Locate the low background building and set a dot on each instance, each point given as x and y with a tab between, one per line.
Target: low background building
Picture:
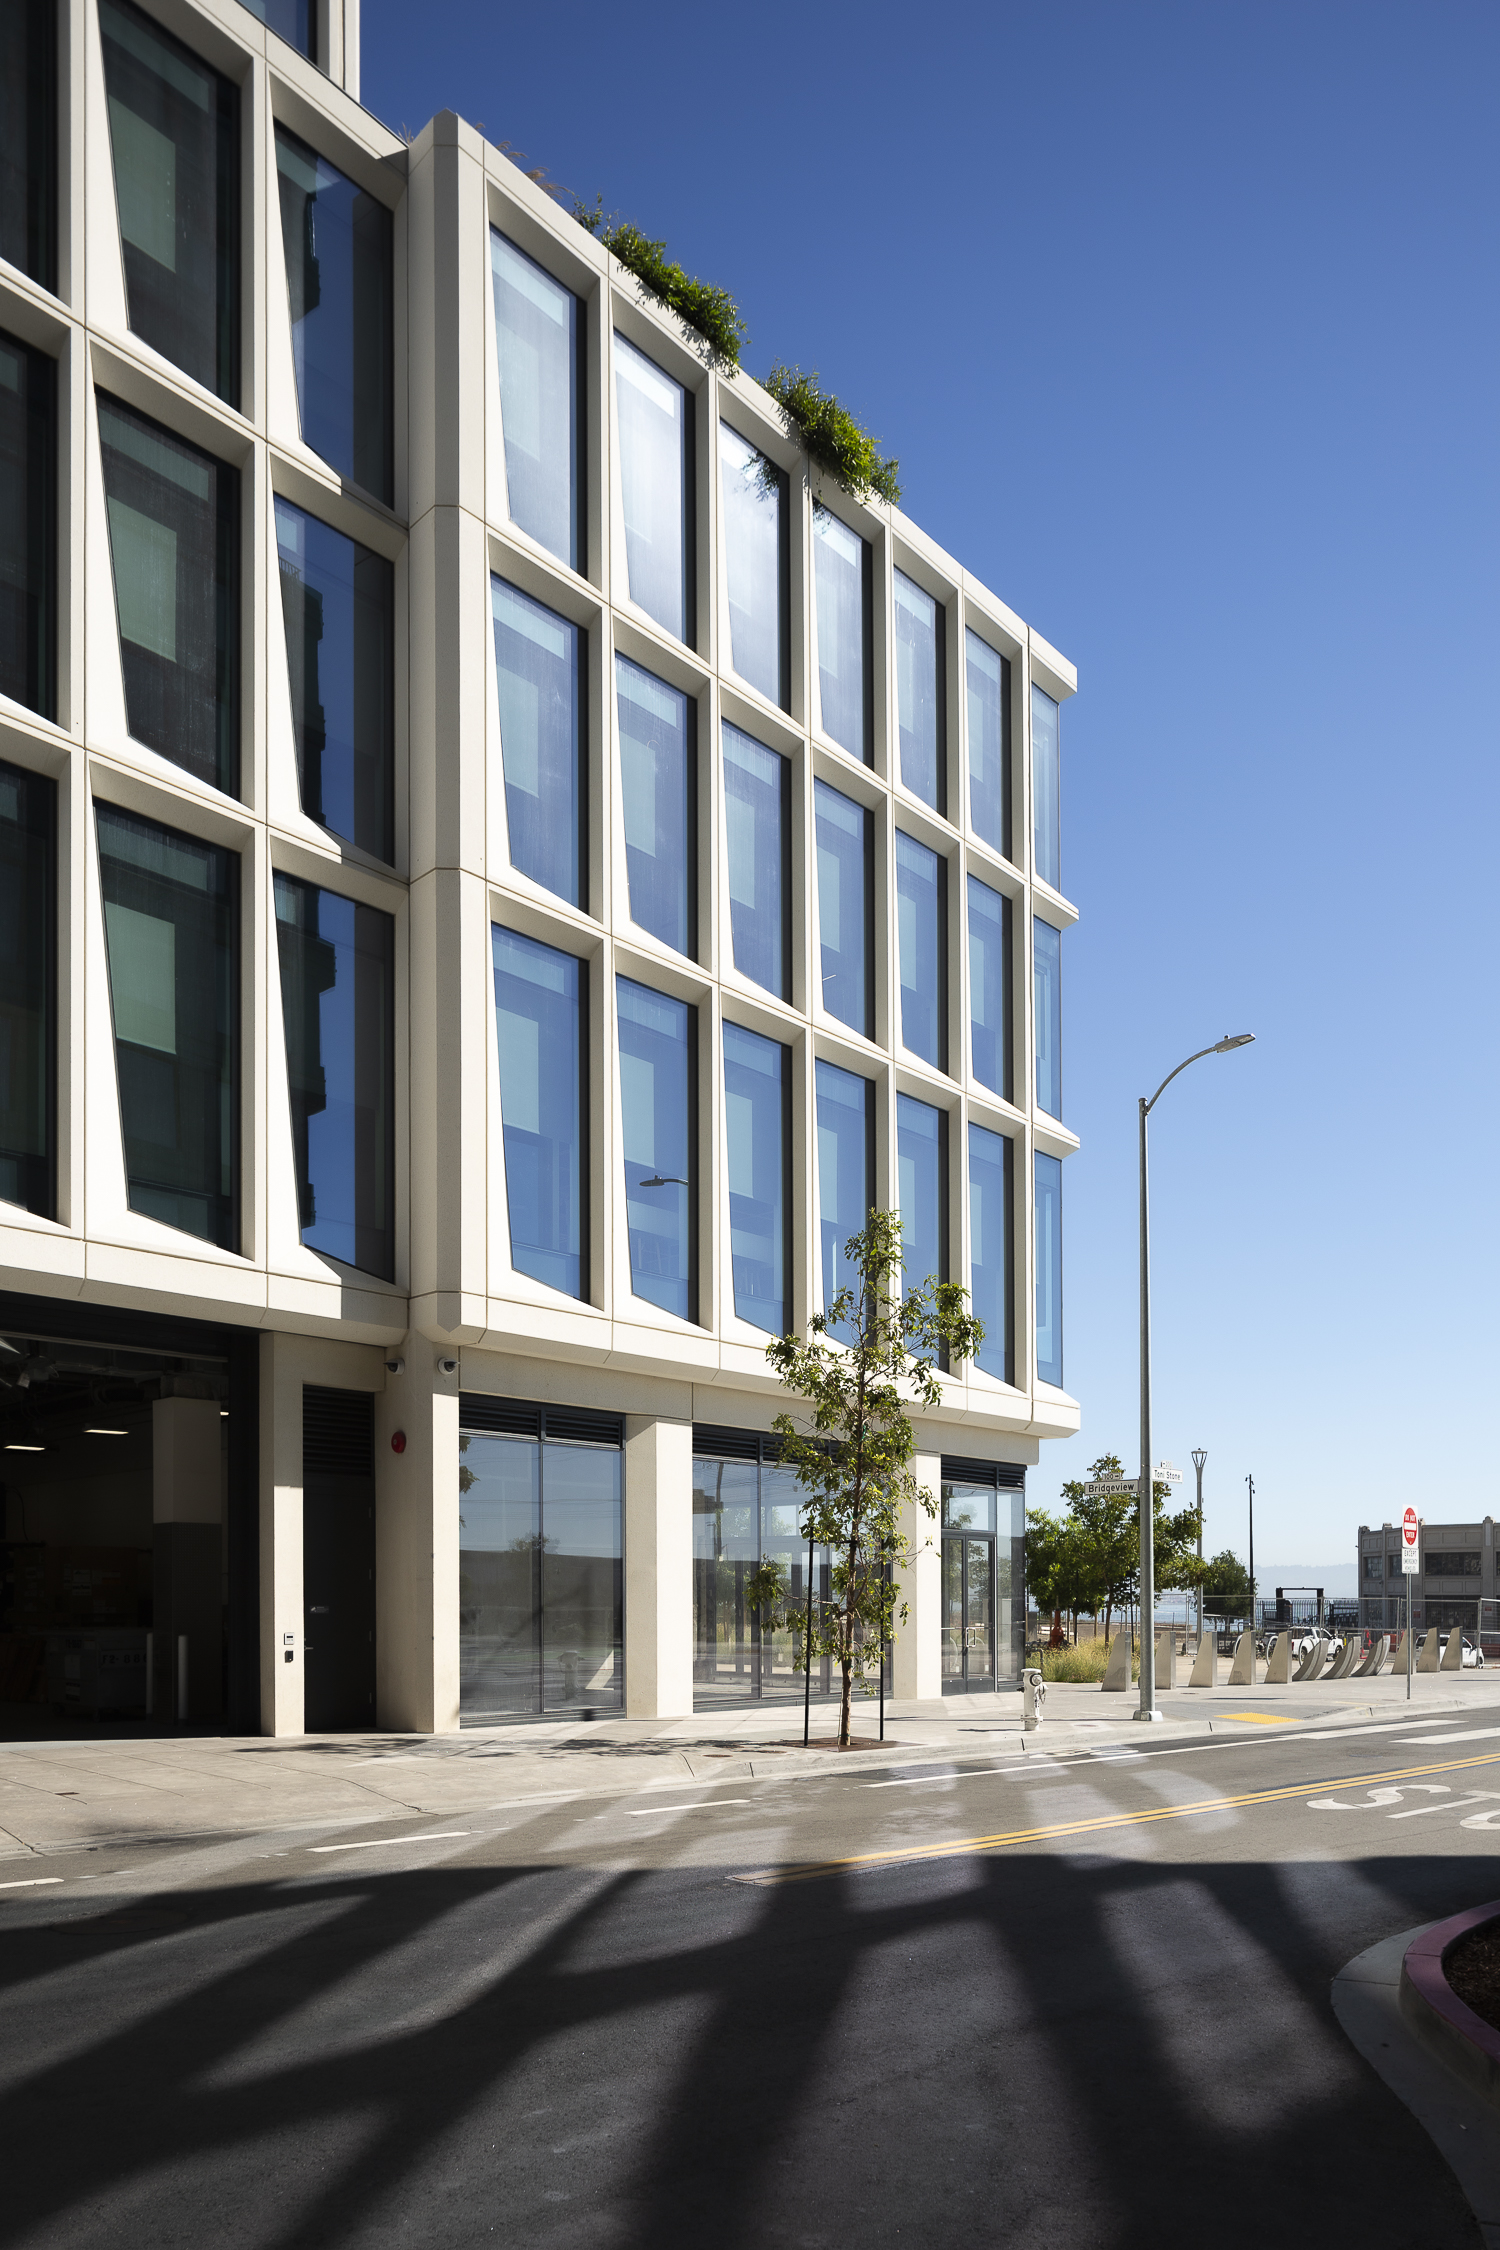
1455	1584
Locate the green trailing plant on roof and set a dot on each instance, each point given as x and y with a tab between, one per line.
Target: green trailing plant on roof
833	439
711	312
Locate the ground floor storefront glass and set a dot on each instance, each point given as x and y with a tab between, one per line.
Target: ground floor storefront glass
541	1613
983	1578
746	1512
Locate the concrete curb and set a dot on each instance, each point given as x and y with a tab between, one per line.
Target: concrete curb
1440	2019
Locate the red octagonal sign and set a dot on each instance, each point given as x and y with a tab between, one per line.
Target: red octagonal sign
1409	1527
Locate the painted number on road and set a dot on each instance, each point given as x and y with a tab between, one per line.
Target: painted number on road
1376	1800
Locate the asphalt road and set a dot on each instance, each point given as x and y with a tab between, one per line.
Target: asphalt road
1080	2000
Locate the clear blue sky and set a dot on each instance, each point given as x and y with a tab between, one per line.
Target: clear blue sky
1183	323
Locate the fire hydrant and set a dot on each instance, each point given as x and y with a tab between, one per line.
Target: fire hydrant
1033	1696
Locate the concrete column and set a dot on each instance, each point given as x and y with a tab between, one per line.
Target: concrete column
417	1506
658	1568
187	1571
917	1652
281	1378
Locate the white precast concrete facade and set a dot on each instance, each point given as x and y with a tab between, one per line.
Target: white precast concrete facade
457	1319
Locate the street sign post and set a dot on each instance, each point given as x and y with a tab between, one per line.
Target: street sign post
1409	1561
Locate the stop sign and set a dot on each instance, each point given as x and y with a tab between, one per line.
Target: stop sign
1409	1527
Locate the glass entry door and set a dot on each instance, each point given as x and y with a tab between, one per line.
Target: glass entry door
968	1613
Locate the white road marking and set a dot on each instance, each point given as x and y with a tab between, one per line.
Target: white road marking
1463	1734
967	1773
650	1812
29	1882
1347	1734
1472	1797
371	1843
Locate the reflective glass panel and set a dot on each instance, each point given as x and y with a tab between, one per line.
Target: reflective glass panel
992	1249
541	1030
174	135
338	607
658	795
919	693
28	469
171	938
28	138
295	21
922	1171
758	844
655	427
174	543
744	1513
1046	961
337	241
538	335
1049	1350
539	660
922	938
28	969
338	968
755	565
846	925
1046	790
843	585
757	1135
658	1116
988	678
582	1620
846	1175
991	989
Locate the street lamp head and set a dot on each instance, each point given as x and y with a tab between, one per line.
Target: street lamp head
1199	1456
1238	1039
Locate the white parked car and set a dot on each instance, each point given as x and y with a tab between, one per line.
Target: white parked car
1473	1657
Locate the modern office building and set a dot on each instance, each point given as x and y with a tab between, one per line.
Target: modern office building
499	870
1454	1583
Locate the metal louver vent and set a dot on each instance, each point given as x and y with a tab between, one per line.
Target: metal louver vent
508	1417
1006	1476
338	1433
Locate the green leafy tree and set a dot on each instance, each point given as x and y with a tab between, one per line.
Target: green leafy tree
854	1464
1227	1587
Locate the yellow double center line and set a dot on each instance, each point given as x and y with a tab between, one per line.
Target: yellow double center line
910	1854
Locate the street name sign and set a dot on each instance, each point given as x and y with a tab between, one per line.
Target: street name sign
1409	1544
1122	1488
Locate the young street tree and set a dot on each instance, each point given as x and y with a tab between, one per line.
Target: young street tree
854	1465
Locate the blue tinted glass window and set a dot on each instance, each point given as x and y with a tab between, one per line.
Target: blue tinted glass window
539	660
1046	790
658	793
991	989
1046	958
658	1116
541	1027
992	1249
28	971
989	743
846	929
922	934
28	487
337	241
757	1132
1049	1349
337	603
28	138
919	692
338	1012
758	841
843	581
846	1179
538	329
922	1166
655	424
171	936
295	21
755	565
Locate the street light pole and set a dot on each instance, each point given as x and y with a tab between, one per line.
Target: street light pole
1251	1482
1200	1455
1145	1494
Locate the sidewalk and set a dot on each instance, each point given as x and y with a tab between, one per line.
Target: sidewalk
81	1794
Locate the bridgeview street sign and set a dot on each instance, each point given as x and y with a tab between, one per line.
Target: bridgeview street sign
1128	1488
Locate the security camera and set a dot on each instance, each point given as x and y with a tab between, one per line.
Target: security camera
395	1367
448	1365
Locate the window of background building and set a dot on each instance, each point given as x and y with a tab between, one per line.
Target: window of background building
844	586
1046	790
846	915
338	606
28	515
656	489
171	928
758	1140
541	1031
992	1249
922	1172
758	845
539	336
28	978
989	744
920	700
922	939
338	968
659	800
540	666
174	544
337	241
28	138
295	21
659	1122
846	1178
1046	962
757	566
1049	1348
991	989
174	135
747	1510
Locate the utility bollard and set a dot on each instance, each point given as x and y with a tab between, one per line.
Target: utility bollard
1427	1652
1242	1670
1379	1651
1166	1658
1453	1652
1205	1663
1278	1663
1116	1680
1033	1696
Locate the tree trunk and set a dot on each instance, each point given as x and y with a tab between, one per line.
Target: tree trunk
845	1698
